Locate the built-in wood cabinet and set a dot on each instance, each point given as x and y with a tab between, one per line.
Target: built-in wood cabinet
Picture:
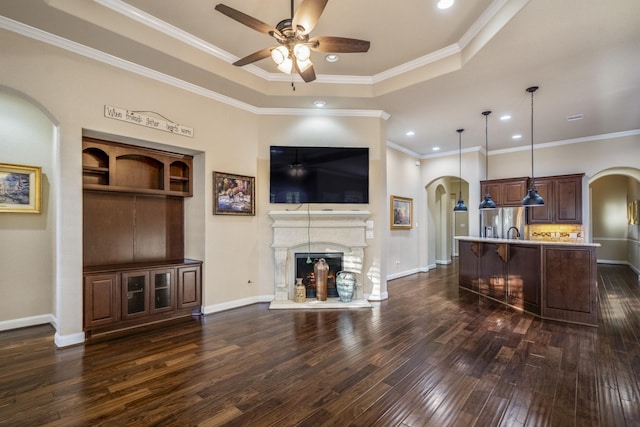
122	296
563	200
133	237
505	192
110	166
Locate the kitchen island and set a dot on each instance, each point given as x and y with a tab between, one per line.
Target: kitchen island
550	279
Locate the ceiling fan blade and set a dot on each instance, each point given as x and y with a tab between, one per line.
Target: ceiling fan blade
308	14
245	19
338	44
308	75
255	56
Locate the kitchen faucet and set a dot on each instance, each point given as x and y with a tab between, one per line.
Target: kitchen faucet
513	228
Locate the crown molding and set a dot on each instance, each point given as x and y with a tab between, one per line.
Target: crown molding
601	137
87	52
153	22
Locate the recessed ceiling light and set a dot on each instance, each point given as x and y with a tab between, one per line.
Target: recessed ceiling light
319	103
516	136
505	117
332	57
410	133
445	4
436	148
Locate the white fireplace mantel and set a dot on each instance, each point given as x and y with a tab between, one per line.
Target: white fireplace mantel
316	231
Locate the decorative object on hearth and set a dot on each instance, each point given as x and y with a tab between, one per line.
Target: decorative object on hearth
299	291
460	206
532	198
487	202
321	273
293	55
346	284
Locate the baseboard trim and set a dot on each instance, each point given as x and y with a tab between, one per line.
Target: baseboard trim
209	309
403	274
68	340
25	322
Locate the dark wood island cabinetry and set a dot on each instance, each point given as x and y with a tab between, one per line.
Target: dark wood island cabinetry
552	280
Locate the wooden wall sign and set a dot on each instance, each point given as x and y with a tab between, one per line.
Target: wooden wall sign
138	118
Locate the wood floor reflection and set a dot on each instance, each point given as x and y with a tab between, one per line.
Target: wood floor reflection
428	356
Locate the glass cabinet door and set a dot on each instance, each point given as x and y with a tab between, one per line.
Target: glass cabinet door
162	283
135	294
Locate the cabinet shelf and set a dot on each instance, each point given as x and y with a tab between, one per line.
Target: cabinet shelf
110	166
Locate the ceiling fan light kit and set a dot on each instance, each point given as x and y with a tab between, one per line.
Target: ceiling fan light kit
292	34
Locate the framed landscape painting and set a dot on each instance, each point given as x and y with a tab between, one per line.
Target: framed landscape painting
233	194
401	212
20	188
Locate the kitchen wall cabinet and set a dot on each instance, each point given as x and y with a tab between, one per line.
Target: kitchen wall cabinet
123	296
505	192
563	200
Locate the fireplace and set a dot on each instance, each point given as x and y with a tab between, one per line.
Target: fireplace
304	270
318	234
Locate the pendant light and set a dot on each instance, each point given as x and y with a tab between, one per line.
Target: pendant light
486	203
460	206
532	198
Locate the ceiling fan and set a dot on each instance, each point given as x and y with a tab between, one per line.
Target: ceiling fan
292	34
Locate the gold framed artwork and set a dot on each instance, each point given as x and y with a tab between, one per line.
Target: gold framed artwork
233	194
20	188
401	215
633	212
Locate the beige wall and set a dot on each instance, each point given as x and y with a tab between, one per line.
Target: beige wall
597	158
609	217
27	137
322	130
73	90
403	248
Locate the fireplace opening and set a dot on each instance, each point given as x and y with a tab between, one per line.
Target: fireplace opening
304	270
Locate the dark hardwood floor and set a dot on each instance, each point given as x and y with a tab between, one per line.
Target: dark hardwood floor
431	355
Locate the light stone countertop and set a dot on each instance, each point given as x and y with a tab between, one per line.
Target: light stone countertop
527	242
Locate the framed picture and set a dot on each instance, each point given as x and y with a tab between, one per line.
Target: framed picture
401	212
233	194
20	188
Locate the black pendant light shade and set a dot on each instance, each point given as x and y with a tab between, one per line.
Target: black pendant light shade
487	202
532	198
460	206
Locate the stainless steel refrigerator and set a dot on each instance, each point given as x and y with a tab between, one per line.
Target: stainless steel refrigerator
503	223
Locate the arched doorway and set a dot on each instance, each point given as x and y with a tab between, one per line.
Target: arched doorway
442	223
611	193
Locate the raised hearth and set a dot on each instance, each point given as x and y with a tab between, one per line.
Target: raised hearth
317	232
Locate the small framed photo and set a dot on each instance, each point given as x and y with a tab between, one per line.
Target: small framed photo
20	188
233	194
401	212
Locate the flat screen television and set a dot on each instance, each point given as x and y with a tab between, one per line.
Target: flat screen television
319	174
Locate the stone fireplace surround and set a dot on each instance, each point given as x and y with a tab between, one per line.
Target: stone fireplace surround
317	231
